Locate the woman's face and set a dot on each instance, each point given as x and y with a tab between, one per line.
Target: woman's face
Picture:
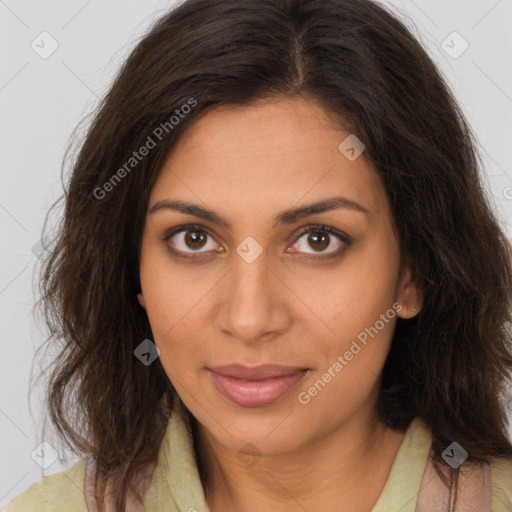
228	298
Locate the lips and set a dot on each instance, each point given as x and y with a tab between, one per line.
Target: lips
256	386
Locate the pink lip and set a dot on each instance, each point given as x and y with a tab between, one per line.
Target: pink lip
258	386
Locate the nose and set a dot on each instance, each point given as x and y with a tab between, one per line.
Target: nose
254	303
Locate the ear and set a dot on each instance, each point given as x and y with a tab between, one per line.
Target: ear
142	302
409	295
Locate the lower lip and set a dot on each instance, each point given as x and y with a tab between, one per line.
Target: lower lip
256	393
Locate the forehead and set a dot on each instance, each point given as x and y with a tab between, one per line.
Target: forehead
274	152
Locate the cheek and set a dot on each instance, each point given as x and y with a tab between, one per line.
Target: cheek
163	305
175	317
367	284
176	337
173	324
361	313
348	370
168	297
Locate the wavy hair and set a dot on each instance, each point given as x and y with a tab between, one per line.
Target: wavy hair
448	365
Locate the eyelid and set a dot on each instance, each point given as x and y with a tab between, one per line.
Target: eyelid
343	237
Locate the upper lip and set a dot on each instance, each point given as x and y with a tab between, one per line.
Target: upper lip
261	372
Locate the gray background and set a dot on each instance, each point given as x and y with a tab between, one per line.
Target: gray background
43	99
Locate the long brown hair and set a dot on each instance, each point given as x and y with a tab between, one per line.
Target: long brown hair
448	365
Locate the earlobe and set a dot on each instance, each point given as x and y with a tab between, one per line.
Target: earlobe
142	302
406	311
410	297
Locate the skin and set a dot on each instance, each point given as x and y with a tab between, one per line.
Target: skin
247	164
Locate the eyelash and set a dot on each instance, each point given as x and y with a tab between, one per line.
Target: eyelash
345	239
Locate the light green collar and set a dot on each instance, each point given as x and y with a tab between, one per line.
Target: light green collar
401	488
177	467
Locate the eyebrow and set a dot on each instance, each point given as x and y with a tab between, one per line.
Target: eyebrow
284	217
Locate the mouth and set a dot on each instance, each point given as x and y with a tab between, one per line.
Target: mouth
256	386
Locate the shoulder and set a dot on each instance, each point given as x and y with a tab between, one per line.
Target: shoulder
501	474
58	492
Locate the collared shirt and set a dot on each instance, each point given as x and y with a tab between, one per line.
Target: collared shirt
175	485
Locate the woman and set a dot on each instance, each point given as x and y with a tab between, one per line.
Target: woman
278	279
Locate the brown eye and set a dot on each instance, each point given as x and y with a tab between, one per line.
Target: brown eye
195	239
318	239
187	240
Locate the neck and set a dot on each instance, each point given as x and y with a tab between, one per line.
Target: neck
349	466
